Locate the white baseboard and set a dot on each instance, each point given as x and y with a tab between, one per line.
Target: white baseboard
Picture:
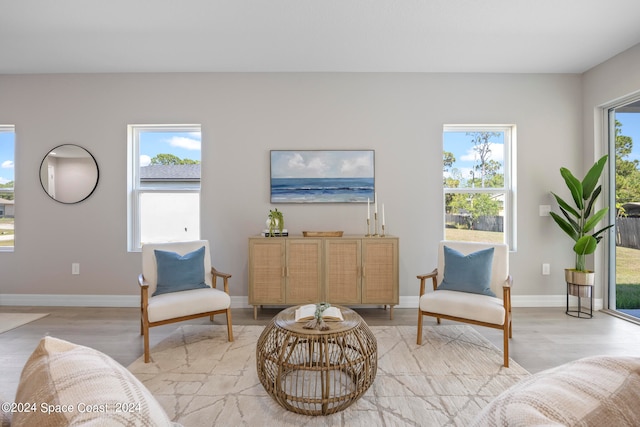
551	301
54	300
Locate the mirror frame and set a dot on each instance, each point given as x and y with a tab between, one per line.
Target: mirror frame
95	185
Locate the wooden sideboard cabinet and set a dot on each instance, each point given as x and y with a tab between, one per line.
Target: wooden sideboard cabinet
339	270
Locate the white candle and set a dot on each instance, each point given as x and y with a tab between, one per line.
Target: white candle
375	203
368	210
383	214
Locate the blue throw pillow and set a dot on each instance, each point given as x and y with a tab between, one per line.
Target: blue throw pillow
471	273
179	273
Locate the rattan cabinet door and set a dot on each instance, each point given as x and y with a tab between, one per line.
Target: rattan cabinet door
303	271
380	271
342	266
266	271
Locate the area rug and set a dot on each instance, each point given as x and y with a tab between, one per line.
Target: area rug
10	321
203	380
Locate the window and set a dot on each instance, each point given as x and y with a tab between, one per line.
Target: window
164	184
479	183
7	179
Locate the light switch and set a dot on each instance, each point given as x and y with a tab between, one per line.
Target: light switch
544	210
546	269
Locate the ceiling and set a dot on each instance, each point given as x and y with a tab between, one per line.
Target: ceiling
511	36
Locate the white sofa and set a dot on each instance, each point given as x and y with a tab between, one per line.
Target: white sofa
67	384
595	391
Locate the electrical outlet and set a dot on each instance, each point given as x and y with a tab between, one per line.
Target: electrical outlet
75	268
546	269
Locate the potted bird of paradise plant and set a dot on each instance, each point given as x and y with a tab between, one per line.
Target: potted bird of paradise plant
579	220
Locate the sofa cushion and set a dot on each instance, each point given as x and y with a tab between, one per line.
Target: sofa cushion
76	385
594	391
468	273
180	272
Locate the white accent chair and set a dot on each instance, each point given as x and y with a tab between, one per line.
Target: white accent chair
184	305
476	309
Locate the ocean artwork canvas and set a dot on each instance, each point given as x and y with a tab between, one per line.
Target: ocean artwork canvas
322	176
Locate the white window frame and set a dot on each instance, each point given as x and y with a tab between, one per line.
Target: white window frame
136	190
11	128
509	165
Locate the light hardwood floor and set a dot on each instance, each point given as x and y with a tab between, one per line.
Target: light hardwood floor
542	337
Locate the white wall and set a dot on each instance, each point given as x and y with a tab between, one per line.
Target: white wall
243	116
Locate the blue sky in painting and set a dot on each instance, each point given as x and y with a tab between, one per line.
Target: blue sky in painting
322	164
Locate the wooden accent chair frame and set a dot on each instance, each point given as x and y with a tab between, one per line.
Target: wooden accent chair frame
184	305
476	309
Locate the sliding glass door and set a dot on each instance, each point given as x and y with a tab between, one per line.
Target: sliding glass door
624	148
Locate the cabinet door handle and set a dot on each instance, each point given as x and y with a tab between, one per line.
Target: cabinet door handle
284	272
363	272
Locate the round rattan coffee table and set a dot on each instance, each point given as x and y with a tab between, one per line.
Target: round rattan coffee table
314	372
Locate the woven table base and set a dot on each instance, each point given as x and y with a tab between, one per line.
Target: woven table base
315	372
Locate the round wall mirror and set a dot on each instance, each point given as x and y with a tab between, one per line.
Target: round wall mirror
69	173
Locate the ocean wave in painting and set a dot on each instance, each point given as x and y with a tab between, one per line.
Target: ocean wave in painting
321	190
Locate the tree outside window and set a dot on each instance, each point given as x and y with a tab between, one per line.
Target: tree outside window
477	194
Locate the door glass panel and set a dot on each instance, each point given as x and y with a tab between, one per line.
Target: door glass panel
625	294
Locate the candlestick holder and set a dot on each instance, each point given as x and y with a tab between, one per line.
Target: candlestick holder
375	230
368	228
382	235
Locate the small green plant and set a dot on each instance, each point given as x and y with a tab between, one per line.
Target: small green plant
580	220
276	220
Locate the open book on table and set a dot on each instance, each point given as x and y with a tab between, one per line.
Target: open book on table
307	312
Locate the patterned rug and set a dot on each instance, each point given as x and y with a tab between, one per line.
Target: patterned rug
201	379
10	321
